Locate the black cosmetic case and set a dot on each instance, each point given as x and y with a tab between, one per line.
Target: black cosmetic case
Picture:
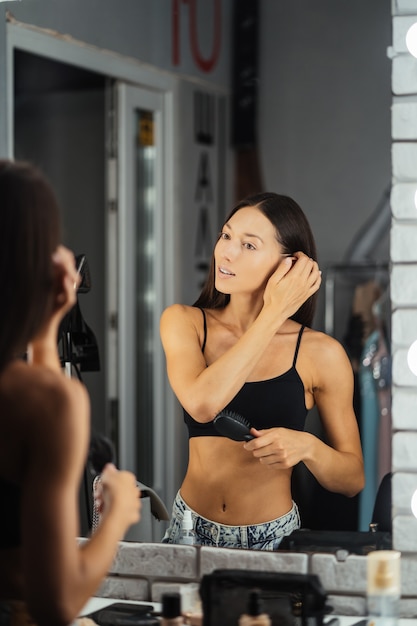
289	599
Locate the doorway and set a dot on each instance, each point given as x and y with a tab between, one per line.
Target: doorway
59	125
100	142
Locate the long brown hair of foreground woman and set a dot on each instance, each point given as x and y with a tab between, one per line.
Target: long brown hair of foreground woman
247	346
44	422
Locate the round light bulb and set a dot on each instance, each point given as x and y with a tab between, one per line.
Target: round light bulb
412	357
414	503
411	39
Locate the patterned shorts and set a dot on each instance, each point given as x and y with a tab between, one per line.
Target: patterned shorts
265	536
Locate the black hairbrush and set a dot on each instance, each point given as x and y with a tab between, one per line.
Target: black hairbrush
102	452
233	425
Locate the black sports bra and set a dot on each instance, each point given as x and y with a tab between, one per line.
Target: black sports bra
10	515
278	401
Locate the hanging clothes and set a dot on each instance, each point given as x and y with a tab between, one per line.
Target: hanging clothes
369	411
358	314
381	369
375	409
367	346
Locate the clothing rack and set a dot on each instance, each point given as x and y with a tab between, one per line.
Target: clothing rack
341	284
350	275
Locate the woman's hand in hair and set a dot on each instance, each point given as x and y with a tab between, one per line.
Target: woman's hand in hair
66	280
292	283
43	348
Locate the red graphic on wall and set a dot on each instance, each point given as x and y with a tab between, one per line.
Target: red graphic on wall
204	64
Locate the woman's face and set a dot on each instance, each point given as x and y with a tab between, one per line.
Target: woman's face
247	252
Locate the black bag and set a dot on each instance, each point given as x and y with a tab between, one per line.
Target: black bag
124	614
289	599
333	541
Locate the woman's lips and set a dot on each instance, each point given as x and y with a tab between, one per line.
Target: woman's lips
224	272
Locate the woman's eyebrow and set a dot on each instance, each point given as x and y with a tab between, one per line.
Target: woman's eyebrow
253	235
227	225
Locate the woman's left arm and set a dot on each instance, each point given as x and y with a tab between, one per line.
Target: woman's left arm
337	462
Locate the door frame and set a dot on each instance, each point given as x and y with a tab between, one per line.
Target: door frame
129	99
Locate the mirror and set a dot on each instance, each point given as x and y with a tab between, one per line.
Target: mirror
323	130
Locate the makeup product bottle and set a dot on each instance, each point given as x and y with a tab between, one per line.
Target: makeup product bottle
188	536
255	615
191	605
383	587
171	610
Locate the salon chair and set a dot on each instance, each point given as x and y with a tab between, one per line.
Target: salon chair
382	512
345	541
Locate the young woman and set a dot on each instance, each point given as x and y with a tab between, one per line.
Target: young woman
247	346
45	577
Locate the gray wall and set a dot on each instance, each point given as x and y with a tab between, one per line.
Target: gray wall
324	91
325	99
69	128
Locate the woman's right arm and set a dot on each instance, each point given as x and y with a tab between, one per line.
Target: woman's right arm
204	391
59	575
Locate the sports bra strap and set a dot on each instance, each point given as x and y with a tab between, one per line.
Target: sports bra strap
205	329
297	346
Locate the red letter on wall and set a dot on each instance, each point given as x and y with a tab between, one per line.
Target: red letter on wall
206	65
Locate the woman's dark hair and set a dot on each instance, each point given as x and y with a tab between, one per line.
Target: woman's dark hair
293	233
29	234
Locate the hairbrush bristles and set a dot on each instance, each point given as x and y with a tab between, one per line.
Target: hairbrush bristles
235	416
233	425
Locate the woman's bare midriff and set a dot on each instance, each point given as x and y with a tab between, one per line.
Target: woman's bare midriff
237	490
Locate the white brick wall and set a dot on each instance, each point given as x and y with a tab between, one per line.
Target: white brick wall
404	410
404	120
404	486
402	198
404	6
404	287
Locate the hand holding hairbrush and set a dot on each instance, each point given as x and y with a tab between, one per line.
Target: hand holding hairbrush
233	425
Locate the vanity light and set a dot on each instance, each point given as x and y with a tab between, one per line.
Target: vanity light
412	358
414	503
411	39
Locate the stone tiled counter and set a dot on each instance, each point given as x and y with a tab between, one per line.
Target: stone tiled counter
144	571
223	558
344	581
